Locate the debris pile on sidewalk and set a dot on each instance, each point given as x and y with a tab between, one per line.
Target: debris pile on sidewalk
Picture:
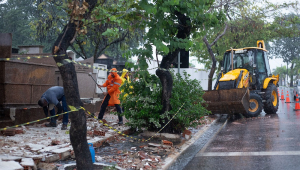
36	146
134	155
49	144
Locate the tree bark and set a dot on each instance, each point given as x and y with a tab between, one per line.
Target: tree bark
78	119
166	79
165	76
213	58
292	75
70	84
214	61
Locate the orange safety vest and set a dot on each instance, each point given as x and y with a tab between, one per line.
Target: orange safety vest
113	85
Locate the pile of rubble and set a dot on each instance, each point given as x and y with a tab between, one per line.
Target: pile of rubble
135	155
38	143
36	146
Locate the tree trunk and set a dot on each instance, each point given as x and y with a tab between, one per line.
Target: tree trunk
165	76
213	58
167	85
166	79
78	119
292	75
287	74
214	61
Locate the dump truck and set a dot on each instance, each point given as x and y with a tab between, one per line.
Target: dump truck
245	84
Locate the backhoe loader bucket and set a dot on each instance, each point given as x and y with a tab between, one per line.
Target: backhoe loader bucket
227	101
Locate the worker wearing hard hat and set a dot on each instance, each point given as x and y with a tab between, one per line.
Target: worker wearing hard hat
112	83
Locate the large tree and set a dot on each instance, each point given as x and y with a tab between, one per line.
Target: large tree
81	14
171	25
286	46
288	50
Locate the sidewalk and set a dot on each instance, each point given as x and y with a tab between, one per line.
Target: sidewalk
36	146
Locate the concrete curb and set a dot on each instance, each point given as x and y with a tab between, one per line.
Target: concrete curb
171	159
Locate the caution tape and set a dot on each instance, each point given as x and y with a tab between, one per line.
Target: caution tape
73	109
110	127
29	57
119	132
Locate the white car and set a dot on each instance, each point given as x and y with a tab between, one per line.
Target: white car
296	89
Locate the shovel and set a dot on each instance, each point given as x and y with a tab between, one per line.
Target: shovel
90	74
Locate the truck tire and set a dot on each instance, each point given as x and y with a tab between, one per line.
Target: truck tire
271	97
255	106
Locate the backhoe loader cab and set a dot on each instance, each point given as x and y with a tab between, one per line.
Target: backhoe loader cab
245	84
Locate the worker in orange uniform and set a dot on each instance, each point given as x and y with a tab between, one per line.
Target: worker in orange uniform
112	83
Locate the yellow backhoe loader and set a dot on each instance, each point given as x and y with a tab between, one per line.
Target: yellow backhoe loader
245	84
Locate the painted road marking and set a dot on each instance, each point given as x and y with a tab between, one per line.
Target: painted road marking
270	153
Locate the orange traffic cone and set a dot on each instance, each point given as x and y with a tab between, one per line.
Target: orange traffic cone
282	95
297	104
287	97
278	93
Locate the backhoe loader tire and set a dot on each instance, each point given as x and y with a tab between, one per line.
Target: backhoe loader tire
255	106
271	97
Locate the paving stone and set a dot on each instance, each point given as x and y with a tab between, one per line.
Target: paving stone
13	165
46	166
52	158
28	164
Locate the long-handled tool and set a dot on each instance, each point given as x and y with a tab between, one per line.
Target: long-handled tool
90	74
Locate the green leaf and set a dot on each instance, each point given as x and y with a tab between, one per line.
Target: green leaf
112	18
161	47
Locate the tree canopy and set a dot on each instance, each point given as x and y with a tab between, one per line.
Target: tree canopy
286	45
15	17
110	28
248	21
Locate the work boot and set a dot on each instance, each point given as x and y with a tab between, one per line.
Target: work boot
120	120
51	124
64	127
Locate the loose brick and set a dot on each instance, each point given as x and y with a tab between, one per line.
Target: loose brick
99	133
165	142
9	132
19	131
187	134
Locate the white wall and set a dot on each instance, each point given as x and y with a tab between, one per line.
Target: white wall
31	49
202	76
199	75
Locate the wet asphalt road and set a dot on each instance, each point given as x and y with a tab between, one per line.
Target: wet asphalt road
267	142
